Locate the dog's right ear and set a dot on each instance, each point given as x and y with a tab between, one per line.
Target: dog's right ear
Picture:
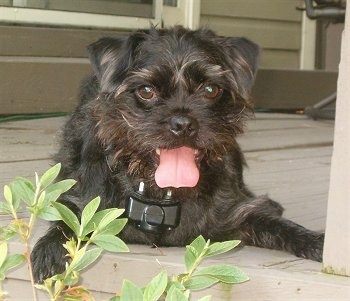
111	58
100	49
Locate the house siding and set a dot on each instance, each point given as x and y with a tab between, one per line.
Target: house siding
273	24
41	67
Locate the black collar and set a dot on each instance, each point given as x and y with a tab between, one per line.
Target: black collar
152	216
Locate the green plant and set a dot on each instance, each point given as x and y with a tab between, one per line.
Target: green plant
179	287
7	262
99	228
95	232
37	201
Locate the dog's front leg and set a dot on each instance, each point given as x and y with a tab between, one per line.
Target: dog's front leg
261	225
49	256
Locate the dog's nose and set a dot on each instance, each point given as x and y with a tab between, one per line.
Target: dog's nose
183	126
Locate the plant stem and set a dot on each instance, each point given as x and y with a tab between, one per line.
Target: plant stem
26	237
195	264
30	268
14	213
31	224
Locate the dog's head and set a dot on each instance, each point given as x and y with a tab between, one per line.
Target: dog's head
171	99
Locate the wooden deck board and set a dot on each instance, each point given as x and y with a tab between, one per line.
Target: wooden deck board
273	275
288	158
297	178
29	140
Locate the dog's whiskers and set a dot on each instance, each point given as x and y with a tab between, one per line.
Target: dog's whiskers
240	114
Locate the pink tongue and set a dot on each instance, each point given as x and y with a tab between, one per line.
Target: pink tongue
177	168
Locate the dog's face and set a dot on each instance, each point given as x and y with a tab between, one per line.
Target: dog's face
171	99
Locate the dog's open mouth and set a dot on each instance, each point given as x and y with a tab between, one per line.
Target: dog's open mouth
177	167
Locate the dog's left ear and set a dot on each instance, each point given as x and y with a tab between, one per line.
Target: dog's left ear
242	56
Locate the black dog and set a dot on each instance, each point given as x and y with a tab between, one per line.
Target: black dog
160	114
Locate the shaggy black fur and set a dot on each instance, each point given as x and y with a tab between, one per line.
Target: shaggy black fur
109	144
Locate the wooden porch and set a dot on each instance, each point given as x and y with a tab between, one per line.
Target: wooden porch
289	158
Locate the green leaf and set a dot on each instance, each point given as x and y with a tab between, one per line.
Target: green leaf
4	208
27	182
115	298
109	216
50	198
42	287
175	294
224	273
110	243
3	252
41	199
8	194
198	244
7	232
200	282
176	282
49	176
61	186
68	217
190	257
221	247
55	190
130	292
49	214
8	262
194	252
114	227
89	211
12	261
156	287
23	189
102	219
70	279
13	202
83	258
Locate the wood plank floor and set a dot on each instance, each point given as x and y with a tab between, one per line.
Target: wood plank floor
288	157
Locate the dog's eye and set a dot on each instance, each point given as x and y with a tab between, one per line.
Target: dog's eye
212	91
147	92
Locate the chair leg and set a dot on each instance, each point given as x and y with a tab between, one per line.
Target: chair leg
317	110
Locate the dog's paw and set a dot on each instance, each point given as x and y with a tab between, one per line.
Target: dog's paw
316	252
312	248
48	257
